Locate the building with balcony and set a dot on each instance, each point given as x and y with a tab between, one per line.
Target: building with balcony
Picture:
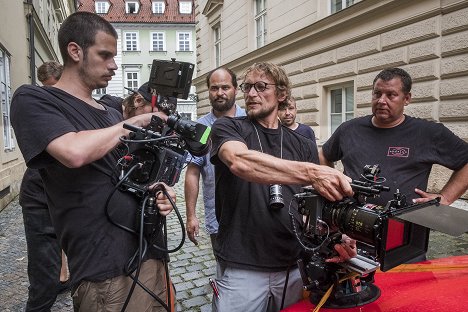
332	50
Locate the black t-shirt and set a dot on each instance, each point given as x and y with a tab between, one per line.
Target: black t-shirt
112	101
32	193
96	249
306	131
405	153
250	234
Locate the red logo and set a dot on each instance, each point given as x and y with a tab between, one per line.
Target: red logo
398	151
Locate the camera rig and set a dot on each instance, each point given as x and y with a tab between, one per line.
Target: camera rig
350	283
157	153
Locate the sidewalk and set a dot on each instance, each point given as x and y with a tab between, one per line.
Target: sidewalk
190	266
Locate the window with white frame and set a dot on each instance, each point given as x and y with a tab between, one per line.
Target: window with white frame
5	100
101	91
101	7
338	5
159	7
185	7
217	44
341	105
158	42
132	79
131	41
184	41
260	22
132	7
186	116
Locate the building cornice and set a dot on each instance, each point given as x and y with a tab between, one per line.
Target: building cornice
212	6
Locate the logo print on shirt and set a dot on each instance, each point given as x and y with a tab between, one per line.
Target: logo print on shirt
398	151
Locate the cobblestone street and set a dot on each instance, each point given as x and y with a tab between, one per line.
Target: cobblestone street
190	267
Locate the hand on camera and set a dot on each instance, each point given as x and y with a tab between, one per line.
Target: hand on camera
163	203
332	184
346	250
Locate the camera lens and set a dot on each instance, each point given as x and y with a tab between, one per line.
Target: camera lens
276	197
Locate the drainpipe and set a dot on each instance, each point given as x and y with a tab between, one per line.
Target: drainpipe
32	50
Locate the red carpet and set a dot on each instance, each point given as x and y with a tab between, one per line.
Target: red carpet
430	286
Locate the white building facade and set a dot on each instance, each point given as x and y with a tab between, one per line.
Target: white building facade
333	49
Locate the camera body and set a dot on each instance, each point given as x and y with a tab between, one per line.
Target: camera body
153	162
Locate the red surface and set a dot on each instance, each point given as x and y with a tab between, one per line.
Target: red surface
394	234
430	286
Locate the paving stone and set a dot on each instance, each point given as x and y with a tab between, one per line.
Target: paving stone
190	266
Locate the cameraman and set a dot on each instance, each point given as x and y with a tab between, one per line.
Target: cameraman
255	245
71	139
420	144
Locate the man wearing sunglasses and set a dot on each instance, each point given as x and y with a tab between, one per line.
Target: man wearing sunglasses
256	246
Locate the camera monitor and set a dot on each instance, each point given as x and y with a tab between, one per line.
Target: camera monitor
171	78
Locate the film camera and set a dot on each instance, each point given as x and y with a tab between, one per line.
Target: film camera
325	222
158	152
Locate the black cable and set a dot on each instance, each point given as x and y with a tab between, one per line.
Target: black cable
140	254
106	207
181	222
285	287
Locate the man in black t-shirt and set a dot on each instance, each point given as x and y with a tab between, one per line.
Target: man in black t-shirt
255	243
405	147
71	139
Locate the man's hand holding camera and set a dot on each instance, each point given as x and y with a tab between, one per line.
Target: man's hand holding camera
162	201
346	250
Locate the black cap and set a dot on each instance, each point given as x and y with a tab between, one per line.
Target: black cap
165	104
143	90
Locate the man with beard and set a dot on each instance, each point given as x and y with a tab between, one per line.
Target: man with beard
222	90
287	114
71	139
256	247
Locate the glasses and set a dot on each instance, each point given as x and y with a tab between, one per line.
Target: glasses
259	86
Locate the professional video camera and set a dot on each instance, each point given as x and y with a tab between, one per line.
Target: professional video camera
350	283
158	152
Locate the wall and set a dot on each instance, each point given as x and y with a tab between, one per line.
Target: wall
428	38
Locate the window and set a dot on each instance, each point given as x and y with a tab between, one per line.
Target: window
101	91
131	41
131	7
158	43
158	7
132	80
186	116
185	7
260	22
184	41
217	44
338	5
101	7
341	105
5	100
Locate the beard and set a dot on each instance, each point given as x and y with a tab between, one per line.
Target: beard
261	113
223	107
85	75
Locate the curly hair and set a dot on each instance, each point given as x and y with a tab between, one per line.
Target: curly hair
274	72
49	69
